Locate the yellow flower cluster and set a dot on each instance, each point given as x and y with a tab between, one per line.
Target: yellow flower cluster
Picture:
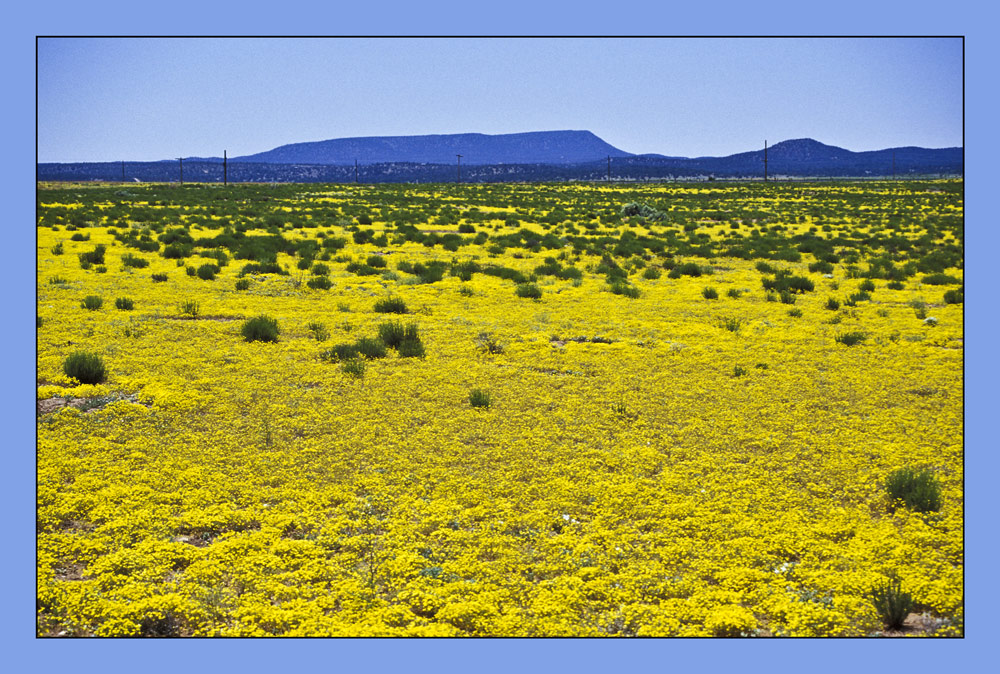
642	469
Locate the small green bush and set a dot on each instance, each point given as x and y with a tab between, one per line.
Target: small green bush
86	368
624	289
795	312
318	269
371	348
850	338
261	328
242	284
786	297
919	490
391	305
740	371
159	278
832	304
95	256
891	603
57	249
191	270
134	261
411	349
480	398
207	272
528	290
731	324
354	368
867	286
651	273
318	331
954	296
710	293
319	283
487	343
895	285
124	303
735	293
394	333
92	302
189	308
940	280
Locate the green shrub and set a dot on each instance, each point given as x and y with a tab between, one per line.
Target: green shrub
651	273
124	303
867	286
528	290
895	285
354	368
318	331
850	338
207	272
940	280
95	256
919	490
731	324
242	284
710	293
411	349
318	269
376	261
740	371
134	261
92	302
189	308
371	348
891	603
159	278
954	296
340	352
735	293
480	398
394	333
57	249
191	270
101	269
261	328
786	297
832	303
319	283
86	368
391	305
487	343
624	289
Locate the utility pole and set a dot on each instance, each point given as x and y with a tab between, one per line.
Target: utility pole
181	160
225	168
459	167
609	168
355	171
765	161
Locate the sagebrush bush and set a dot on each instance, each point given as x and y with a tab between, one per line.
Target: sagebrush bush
651	273
735	293
850	338
729	323
189	308
319	283
624	289
242	284
832	303
480	398
371	348
710	293
92	302
355	367
918	489
207	272
261	328
85	367
134	261
528	290
955	296
891	603
318	331
391	305
124	303
159	278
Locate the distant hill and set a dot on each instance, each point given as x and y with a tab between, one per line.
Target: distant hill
538	156
538	147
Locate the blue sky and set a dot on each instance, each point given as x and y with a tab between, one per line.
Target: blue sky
147	99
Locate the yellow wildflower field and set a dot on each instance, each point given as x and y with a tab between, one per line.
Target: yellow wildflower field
623	410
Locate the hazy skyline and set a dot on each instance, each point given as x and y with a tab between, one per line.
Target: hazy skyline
107	99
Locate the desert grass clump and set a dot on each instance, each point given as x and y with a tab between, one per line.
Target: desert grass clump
480	398
85	367
850	338
92	302
391	305
891	603
528	290
832	303
710	293
159	278
260	328
917	489
242	284
124	304
354	367
731	324
318	331
189	308
405	339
